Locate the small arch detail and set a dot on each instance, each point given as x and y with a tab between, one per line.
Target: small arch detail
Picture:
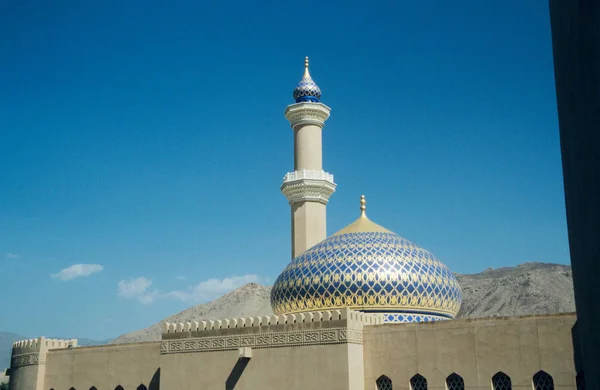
543	381
384	383
455	382
501	381
418	382
142	387
119	387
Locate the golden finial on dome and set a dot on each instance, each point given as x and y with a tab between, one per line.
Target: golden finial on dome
363	206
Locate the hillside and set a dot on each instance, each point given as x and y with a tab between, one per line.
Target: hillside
530	288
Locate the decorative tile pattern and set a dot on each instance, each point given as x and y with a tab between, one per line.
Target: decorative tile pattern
418	382
501	381
384	383
411	317
543	381
307	90
455	382
266	340
368	271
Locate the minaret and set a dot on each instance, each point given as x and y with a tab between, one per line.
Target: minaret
308	188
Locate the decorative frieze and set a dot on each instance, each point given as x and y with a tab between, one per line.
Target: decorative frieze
263	340
28	359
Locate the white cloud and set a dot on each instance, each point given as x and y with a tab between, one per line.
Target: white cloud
137	289
213	288
77	270
12	256
209	289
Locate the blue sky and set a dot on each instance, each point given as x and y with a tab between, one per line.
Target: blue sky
142	145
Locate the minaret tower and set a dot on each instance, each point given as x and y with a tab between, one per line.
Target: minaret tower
308	188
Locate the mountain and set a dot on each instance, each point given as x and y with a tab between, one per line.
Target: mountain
249	300
530	288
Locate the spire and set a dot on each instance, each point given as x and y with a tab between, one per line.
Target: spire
307	90
363	206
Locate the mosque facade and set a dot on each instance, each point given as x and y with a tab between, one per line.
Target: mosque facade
361	309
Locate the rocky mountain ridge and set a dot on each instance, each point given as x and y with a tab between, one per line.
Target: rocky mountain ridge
529	288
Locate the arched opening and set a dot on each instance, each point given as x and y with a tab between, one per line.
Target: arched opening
580	381
142	387
384	383
543	381
501	381
93	388
119	387
455	382
418	382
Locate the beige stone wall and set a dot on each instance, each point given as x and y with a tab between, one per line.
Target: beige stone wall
104	367
289	368
474	349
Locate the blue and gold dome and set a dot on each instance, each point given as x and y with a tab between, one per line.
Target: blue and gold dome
368	268
307	90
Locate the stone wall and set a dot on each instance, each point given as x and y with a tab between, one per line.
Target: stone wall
132	366
474	349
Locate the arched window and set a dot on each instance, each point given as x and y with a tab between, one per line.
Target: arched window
418	382
580	381
72	388
142	387
455	382
384	383
119	387
501	381
93	388
543	381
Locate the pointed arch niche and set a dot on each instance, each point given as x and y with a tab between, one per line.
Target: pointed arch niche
455	382
543	381
418	382
384	383
501	381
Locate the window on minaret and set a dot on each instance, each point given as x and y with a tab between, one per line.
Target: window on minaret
418	382
501	381
455	382
543	381
384	383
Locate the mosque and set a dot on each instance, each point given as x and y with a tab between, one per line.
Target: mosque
362	309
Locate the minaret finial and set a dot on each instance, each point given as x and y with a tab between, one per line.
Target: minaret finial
363	206
307	90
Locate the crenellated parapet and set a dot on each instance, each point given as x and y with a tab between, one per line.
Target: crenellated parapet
33	351
311	328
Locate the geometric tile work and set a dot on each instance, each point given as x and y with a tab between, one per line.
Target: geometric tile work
384	383
455	382
411	317
368	271
418	382
543	381
501	381
307	90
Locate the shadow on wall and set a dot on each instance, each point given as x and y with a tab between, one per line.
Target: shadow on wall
155	381
236	373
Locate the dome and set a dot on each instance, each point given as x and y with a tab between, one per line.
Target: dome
307	90
368	268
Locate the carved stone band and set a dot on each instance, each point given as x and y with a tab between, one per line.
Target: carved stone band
263	340
27	359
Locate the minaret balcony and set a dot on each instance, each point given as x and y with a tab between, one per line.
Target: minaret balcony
308	185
